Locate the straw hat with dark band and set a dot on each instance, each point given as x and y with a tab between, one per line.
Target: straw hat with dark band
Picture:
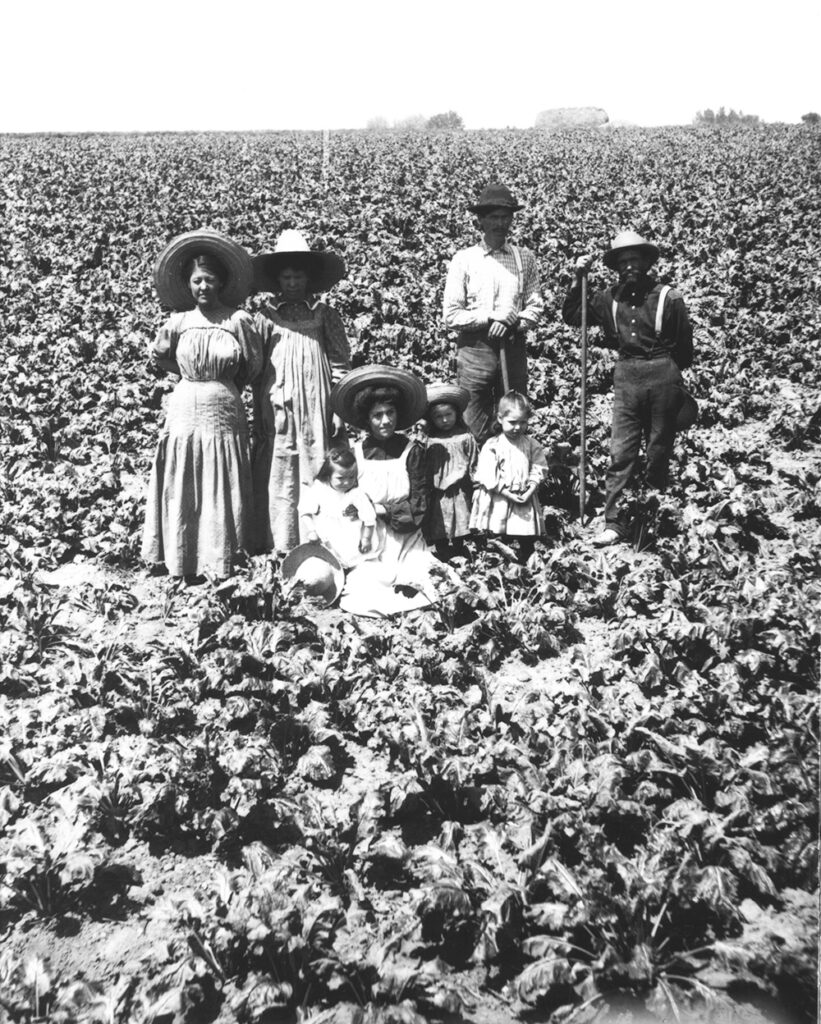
314	556
324	269
173	261
453	394
629	240
411	390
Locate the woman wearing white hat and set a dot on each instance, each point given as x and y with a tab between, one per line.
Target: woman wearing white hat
198	514
305	352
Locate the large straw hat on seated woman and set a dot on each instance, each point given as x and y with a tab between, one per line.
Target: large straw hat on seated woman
392	472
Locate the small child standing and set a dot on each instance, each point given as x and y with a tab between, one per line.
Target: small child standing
336	511
451	456
511	467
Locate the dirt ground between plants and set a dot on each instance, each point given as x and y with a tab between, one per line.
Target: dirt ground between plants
112	950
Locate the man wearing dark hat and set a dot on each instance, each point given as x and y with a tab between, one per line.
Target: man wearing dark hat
647	324
492	299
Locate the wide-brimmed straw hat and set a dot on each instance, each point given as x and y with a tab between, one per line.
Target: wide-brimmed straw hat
411	389
324	269
495	196
171	265
688	411
629	240
317	568
453	394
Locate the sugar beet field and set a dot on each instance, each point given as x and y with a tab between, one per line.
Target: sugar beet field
582	790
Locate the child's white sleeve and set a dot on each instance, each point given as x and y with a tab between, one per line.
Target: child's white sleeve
308	501
364	506
487	467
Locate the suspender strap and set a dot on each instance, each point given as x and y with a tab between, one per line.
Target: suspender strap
660	310
520	273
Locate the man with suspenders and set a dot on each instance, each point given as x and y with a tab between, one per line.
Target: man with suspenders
648	324
492	300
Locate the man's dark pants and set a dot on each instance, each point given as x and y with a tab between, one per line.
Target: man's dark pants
478	368
647	396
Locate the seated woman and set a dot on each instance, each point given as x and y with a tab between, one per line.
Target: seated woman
392	472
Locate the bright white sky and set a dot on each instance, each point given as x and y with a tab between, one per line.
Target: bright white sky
103	65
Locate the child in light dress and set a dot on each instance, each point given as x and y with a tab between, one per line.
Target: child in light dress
511	466
336	511
451	454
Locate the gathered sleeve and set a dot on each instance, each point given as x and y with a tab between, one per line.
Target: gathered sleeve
309	500
406	515
487	467
364	508
250	344
265	332
336	343
163	350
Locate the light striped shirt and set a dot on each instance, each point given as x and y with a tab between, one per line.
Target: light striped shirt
483	284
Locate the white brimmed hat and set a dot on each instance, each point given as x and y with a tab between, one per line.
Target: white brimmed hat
324	269
173	261
629	240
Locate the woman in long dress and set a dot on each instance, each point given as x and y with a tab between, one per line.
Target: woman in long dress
198	513
305	352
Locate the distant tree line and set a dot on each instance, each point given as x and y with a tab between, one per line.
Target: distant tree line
572	117
564	116
446	122
723	117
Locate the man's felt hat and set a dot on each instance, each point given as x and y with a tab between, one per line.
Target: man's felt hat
172	264
493	197
410	388
629	240
324	269
453	394
317	568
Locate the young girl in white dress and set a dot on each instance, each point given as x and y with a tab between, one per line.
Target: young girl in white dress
511	466
336	511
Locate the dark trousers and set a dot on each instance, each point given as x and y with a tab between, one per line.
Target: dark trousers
647	396
478	369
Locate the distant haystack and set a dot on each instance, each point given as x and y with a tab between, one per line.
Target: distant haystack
572	117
